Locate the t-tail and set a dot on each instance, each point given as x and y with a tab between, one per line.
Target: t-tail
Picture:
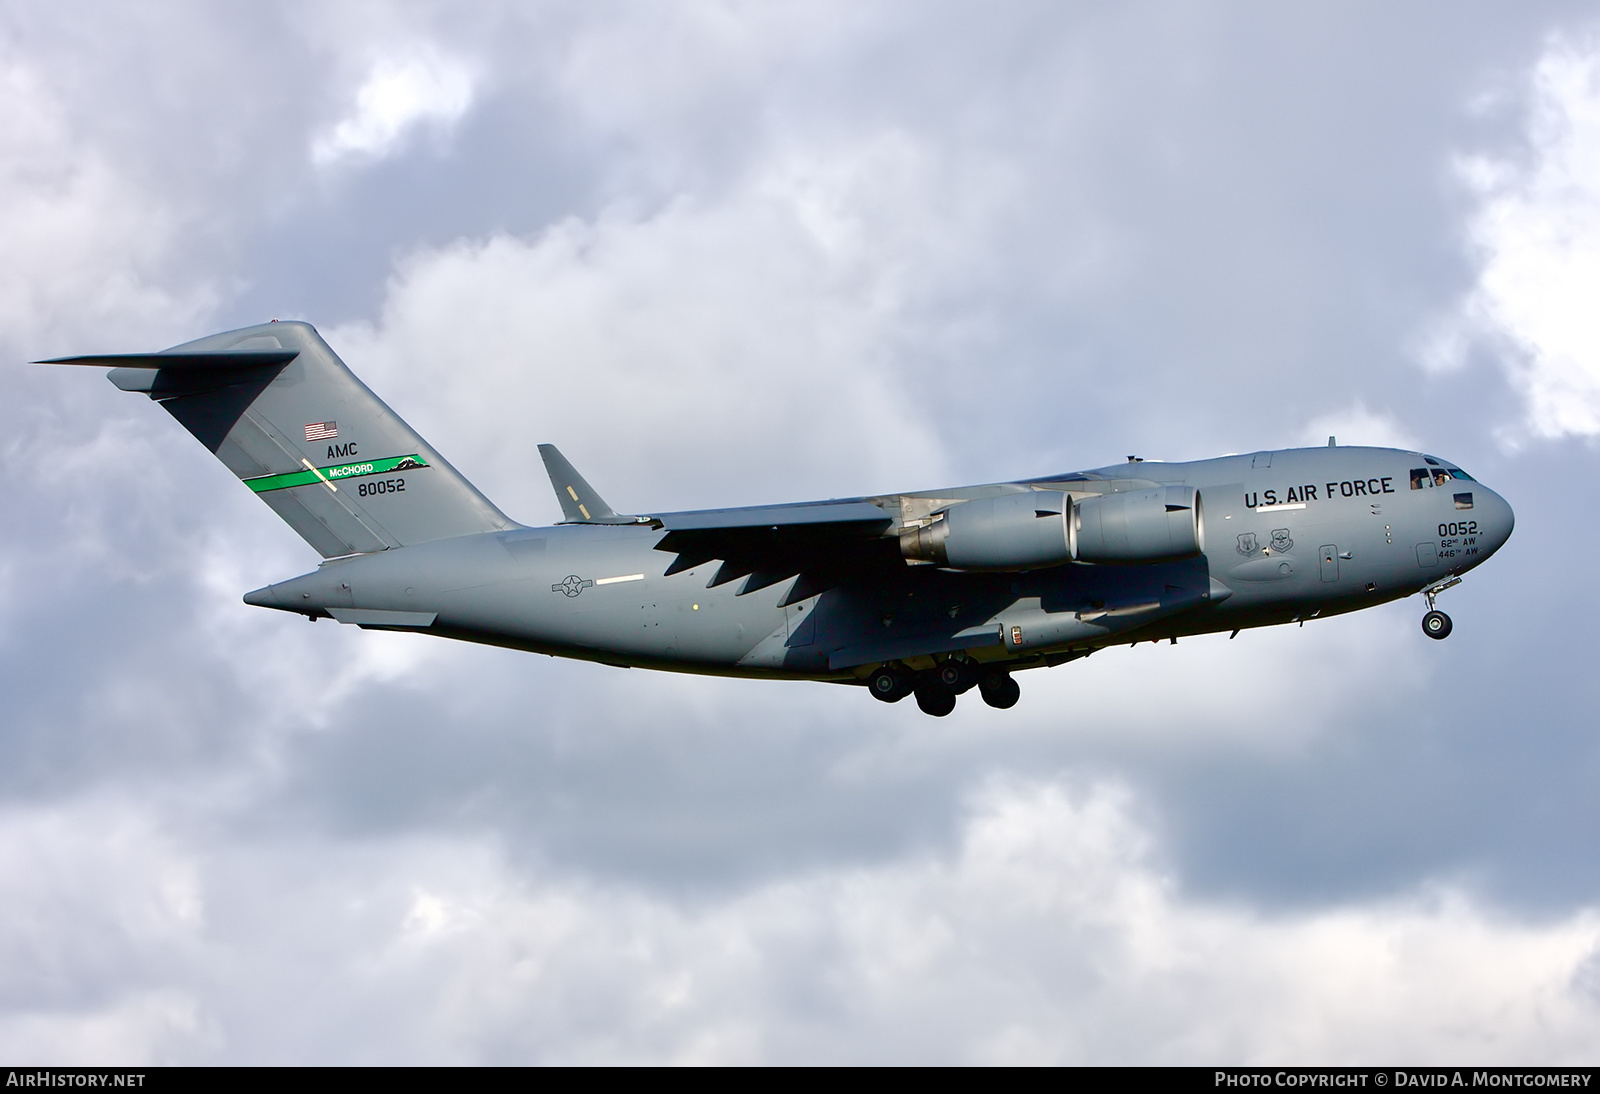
280	409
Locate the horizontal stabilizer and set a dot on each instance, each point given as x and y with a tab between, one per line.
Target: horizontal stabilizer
191	359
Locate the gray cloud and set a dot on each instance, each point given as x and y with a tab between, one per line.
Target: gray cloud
730	255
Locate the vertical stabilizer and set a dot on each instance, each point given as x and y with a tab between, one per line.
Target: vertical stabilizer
278	407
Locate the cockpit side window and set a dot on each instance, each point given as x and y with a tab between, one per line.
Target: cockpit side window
1460	474
1441	477
1420	478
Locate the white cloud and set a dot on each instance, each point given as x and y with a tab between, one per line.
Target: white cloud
713	351
1536	235
1051	933
1359	425
84	243
399	95
826	245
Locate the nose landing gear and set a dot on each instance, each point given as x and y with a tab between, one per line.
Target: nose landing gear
1436	624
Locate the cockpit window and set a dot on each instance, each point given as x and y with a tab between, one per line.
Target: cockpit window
1437	476
1463	501
1430	461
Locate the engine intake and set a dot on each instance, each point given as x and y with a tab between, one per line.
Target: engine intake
1155	525
1022	531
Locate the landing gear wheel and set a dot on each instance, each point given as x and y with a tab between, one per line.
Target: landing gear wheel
1000	691
934	698
956	676
889	685
1436	625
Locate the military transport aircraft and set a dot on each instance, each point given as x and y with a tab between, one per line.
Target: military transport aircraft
930	593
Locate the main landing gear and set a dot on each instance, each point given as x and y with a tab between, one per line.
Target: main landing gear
936	689
1436	624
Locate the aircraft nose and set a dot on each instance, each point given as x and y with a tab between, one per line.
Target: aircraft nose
1497	519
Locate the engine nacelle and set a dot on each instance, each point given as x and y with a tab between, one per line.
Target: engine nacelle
1140	526
1022	531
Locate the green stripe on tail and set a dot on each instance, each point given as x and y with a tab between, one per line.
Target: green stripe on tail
335	473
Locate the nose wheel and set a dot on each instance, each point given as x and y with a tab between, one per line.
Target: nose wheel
1436	624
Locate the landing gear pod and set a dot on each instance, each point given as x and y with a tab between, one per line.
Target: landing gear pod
1156	525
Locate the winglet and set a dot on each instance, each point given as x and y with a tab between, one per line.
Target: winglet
579	502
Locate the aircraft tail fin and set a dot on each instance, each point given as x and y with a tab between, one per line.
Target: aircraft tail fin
580	504
278	407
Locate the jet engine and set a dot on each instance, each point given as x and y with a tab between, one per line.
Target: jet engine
1140	526
1023	531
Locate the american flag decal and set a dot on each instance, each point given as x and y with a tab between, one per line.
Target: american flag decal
322	431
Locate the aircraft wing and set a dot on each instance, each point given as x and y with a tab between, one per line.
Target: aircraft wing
822	542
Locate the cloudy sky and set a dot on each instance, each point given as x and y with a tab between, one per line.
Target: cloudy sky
729	253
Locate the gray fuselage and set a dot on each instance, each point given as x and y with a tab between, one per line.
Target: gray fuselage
1287	535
